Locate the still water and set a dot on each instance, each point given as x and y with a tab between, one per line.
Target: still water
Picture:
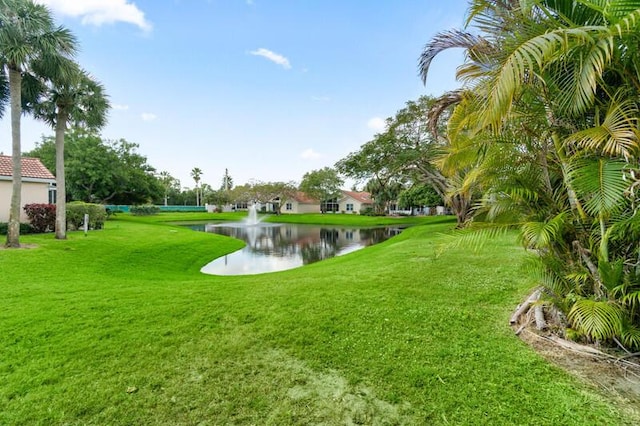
276	247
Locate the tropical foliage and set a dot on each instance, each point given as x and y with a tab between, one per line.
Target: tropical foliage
31	47
406	153
69	97
546	127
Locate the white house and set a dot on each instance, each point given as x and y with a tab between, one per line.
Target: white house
38	185
301	203
354	201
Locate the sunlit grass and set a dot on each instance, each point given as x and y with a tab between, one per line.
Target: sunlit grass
119	327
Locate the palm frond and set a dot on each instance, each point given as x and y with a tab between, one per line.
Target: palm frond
541	234
579	72
447	40
475	237
601	184
630	336
616	136
599	320
628	23
532	56
441	104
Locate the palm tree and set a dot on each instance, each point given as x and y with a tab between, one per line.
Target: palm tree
548	125
72	97
196	173
27	36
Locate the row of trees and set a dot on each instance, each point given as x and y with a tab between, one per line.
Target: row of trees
544	135
99	171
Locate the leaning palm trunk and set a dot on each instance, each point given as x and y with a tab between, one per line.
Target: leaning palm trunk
460	204
13	231
61	190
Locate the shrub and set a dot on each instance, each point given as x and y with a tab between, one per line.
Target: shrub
145	210
369	211
25	228
42	217
76	211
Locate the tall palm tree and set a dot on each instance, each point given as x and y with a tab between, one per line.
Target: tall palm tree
27	35
196	173
73	97
549	124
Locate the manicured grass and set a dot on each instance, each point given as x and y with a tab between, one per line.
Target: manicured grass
119	327
316	219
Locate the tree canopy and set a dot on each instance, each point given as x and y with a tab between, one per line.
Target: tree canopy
110	172
323	184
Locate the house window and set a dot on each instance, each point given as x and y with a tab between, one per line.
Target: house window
52	194
349	207
330	206
289	207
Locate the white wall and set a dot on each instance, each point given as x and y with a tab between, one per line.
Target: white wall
32	192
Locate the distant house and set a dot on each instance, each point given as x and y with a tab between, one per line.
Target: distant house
354	201
38	185
349	202
301	203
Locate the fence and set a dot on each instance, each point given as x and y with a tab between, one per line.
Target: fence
125	208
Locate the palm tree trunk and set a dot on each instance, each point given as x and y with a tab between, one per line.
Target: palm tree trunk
13	231
61	190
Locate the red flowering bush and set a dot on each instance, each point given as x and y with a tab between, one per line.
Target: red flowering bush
42	217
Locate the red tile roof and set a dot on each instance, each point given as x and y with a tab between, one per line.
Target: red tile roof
360	196
31	168
303	198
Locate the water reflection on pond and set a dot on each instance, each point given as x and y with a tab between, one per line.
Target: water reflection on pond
276	247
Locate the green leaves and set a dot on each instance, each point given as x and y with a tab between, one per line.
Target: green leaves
543	234
617	134
599	320
600	184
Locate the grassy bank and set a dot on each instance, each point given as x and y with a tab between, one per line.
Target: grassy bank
119	327
316	219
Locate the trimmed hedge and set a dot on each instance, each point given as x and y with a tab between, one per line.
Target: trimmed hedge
76	211
25	228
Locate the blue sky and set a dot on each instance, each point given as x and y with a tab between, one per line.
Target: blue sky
269	89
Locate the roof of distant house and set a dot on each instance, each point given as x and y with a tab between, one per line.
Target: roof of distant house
360	196
31	168
303	198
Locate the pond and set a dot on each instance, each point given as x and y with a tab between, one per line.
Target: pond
275	247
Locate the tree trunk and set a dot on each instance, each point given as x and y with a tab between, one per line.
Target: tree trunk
13	231
461	206
61	190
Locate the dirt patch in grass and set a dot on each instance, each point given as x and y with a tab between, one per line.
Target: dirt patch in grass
329	396
616	379
22	246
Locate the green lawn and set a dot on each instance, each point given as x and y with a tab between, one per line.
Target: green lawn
119	327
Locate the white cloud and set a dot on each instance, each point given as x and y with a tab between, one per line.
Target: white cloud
273	57
120	107
148	116
376	123
310	154
99	12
